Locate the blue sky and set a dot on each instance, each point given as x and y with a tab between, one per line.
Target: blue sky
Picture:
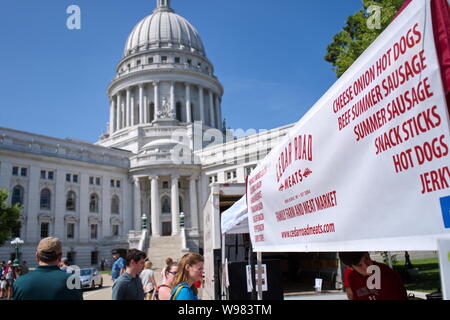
267	54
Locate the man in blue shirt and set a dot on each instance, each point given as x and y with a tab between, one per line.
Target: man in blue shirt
118	267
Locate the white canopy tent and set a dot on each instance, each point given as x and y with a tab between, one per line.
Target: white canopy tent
235	220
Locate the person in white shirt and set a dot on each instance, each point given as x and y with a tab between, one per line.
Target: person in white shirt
148	280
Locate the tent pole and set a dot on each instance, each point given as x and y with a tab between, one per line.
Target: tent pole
223	268
259	282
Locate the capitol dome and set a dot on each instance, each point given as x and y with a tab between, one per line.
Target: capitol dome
164	28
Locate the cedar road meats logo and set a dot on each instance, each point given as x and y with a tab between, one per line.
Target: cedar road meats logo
300	148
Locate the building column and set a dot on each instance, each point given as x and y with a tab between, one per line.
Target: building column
175	195
188	104
155	214
202	105
112	117
60	205
156	98
132	111
141	103
172	99
218	113
193	203
137	204
118	113
212	114
128	109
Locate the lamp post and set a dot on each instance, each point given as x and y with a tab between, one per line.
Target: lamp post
144	222
182	220
17	243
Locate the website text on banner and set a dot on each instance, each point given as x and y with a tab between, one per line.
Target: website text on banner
368	167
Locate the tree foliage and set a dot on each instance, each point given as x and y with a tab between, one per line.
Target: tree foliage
9	217
356	35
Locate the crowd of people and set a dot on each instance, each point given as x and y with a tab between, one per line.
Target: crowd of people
8	275
133	277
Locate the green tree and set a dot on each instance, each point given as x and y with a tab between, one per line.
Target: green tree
357	35
9	217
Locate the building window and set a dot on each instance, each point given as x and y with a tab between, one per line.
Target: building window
115	230
115	205
45	199
93	203
17	195
189	62
94	230
75	178
150	60
138	62
248	170
177	60
71	257
163	59
178	111
23	172
94	257
118	184
70	201
70	231
165	205
112	184
94	181
47	175
68	177
165	184
45	229
15	171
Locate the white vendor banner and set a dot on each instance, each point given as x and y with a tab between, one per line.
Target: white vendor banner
368	167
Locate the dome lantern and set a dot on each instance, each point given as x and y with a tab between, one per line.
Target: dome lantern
163	5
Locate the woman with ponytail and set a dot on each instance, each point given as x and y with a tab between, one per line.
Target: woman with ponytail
190	270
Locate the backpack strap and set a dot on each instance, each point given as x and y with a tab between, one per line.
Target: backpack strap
179	287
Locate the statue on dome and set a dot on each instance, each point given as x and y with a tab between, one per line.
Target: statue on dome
166	110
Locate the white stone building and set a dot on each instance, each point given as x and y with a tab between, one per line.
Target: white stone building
163	148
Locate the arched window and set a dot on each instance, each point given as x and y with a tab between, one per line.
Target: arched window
179	111
165	205
152	112
71	201
115	205
45	199
93	203
17	195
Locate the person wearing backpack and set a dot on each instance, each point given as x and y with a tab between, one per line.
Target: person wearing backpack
164	291
190	270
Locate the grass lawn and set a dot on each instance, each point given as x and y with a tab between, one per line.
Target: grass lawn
428	279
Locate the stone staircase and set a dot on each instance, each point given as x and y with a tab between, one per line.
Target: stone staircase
161	248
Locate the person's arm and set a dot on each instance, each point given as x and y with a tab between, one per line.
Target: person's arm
349	293
122	267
